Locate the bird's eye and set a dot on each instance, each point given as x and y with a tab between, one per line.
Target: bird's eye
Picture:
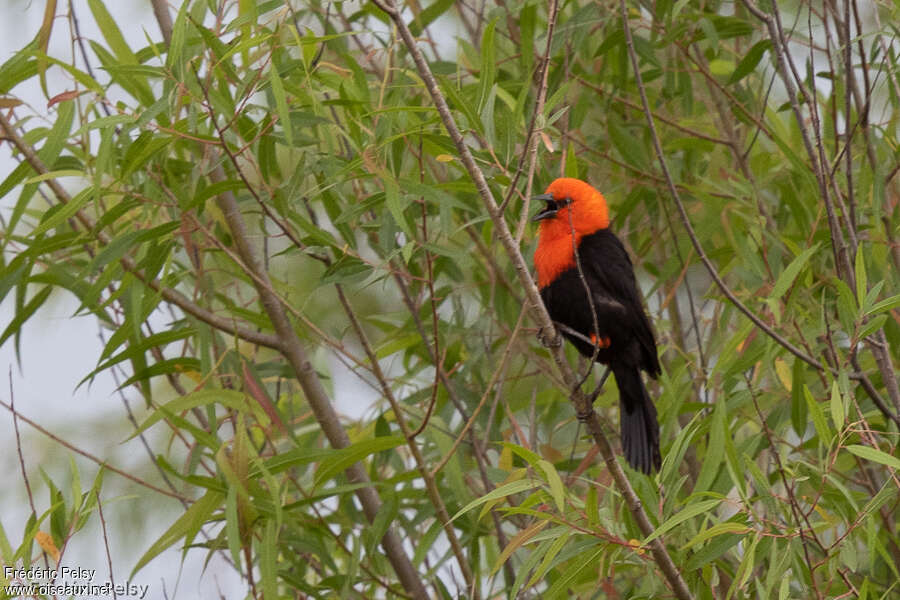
564	202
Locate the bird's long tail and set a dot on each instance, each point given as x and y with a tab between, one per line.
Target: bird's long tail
637	418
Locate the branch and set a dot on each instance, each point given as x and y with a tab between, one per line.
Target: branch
431	488
539	311
169	294
312	386
292	349
844	257
102	463
673	191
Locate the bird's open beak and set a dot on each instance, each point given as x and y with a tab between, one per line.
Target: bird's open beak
549	211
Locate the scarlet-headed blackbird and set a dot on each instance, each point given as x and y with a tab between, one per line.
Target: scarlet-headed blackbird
576	216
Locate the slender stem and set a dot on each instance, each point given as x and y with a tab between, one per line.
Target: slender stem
431	488
531	141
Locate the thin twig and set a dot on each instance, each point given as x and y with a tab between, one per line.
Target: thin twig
15	416
431	488
685	219
90	456
531	140
487	390
112	578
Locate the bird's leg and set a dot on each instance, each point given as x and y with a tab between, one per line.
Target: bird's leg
585	416
549	342
600	385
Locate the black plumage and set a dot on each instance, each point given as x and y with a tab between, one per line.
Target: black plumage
625	331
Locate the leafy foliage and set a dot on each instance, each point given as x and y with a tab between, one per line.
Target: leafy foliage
780	469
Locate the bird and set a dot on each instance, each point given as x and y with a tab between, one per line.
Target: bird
594	296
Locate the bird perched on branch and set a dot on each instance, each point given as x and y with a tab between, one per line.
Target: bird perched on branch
588	285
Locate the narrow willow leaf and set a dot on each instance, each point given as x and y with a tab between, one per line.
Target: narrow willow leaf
790	273
230	398
341	459
837	406
516	542
281	105
111	33
784	374
871	326
884	305
798	403
232	527
530	457
557	544
582	562
690	511
862	285
24	313
750	60
556	484
387	514
717	529
875	455
185	527
488	65
715	451
426	17
515	487
268	560
818	417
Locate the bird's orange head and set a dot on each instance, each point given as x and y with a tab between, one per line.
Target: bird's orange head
572	207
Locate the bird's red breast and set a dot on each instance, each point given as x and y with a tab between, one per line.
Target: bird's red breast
582	210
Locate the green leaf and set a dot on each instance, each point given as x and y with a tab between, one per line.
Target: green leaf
798	403
582	562
341	459
791	272
747	563
429	15
553	549
818	416
627	143
884	305
396	202
347	268
521	538
488	65
715	530
837	406
875	455
268	560
25	313
871	326
715	451
556	484
185	527
515	487
281	104
64	211
862	285
230	398
232	526
690	511
387	514
750	60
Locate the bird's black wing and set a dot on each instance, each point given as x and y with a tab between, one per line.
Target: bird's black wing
617	299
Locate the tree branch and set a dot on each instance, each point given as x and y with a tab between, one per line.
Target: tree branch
173	296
